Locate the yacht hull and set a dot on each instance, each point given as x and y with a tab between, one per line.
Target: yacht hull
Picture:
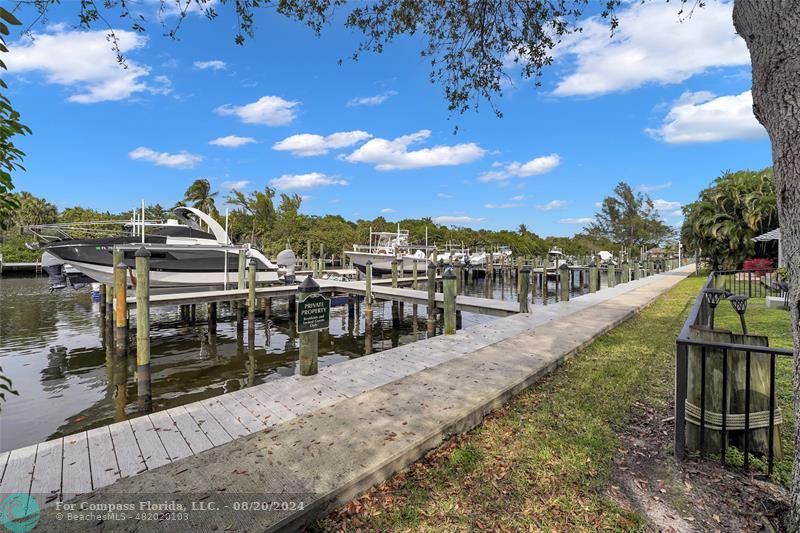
169	266
382	263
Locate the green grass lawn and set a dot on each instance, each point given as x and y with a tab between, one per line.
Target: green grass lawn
775	324
546	460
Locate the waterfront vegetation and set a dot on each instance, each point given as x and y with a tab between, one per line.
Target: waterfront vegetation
273	221
728	214
546	461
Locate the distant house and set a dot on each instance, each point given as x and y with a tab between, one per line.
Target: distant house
774	235
656	252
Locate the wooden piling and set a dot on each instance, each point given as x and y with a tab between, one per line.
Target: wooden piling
414	275
431	298
212	318
564	273
395	267
593	277
143	329
524	278
611	273
120	309
368	307
251	296
241	286
309	340
449	289
626	272
102	294
545	291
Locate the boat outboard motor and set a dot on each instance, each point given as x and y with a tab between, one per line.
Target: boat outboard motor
287	262
54	266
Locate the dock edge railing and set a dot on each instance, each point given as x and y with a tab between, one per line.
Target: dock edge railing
701	315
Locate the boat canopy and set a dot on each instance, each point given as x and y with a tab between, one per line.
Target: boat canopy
182	214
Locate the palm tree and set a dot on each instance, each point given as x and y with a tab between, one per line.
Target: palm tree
522	230
727	215
33	210
199	196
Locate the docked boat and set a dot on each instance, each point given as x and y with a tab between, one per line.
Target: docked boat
384	248
182	252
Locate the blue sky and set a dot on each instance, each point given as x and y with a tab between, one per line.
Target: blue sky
664	105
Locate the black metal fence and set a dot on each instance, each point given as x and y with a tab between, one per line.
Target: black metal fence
751	283
726	414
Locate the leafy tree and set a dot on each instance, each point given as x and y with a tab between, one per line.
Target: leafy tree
629	219
32	210
10	127
288	222
199	196
83	214
255	217
725	218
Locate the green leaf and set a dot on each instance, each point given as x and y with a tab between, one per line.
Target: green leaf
8	17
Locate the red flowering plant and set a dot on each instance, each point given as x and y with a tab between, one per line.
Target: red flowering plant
759	265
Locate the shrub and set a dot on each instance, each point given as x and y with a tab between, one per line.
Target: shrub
759	265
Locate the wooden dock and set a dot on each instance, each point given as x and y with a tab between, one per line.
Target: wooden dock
91	460
470	304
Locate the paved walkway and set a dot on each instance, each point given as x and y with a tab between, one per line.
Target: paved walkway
315	442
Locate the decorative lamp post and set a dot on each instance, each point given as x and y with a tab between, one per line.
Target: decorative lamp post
713	296
739	304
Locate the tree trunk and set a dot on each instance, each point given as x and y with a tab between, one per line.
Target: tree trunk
770	29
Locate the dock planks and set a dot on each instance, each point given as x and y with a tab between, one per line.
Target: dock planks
471	304
93	459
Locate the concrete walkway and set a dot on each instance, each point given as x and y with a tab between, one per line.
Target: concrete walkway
355	423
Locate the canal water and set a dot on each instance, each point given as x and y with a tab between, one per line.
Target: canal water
54	348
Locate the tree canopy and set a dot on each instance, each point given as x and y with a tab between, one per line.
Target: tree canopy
629	219
727	215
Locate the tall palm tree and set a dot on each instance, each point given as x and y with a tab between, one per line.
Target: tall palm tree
199	196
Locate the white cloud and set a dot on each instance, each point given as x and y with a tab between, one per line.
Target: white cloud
308	144
182	159
388	210
651	45
537	165
554	204
655	187
214	64
267	110
518	198
668	208
394	154
443	195
579	220
371	100
86	62
699	118
232	141
235	185
502	206
455	219
305	181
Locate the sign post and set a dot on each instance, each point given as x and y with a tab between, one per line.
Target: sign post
313	315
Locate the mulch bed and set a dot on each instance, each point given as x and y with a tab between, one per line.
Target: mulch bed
690	494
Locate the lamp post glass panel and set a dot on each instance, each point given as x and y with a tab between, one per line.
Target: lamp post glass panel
713	296
739	304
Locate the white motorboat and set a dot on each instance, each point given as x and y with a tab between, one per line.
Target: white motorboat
386	247
182	253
